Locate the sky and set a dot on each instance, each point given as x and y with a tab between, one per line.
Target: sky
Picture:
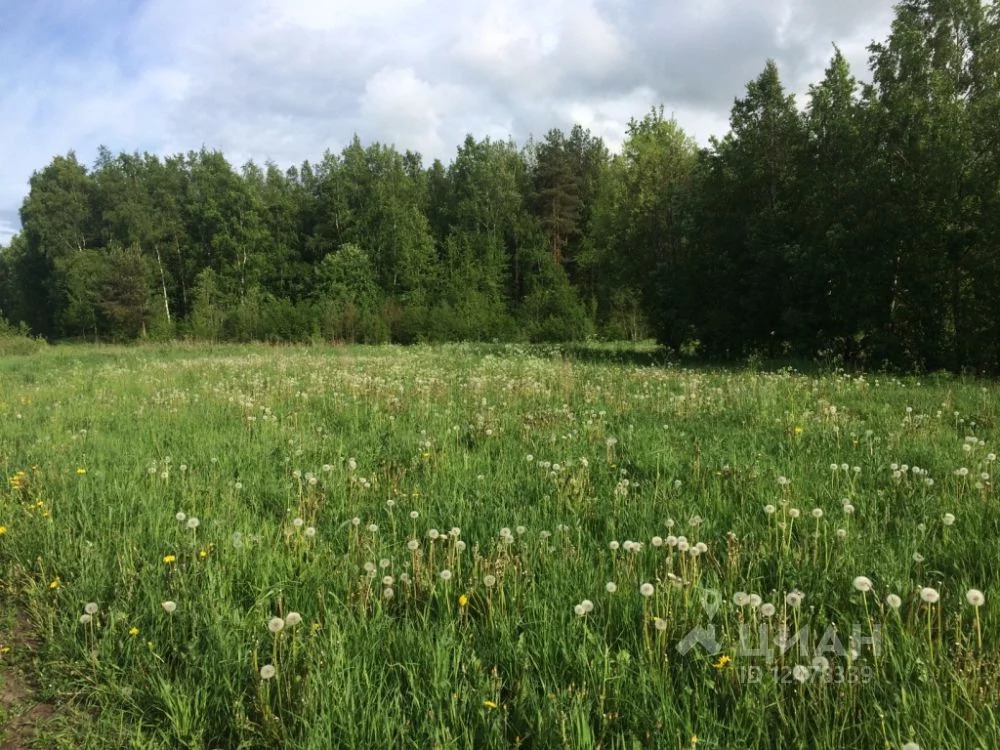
285	80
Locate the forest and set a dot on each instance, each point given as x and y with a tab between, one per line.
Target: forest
862	226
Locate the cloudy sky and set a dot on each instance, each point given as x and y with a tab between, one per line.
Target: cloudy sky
286	79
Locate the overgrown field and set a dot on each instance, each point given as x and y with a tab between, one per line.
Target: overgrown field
496	547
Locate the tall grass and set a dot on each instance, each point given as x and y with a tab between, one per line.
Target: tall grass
384	547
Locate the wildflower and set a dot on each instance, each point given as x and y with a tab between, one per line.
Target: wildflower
489	704
267	672
489	580
911	746
947	519
798	429
975	597
794	598
646	589
817	513
388	593
794	512
917	557
276	624
54	584
80	471
133	631
298	523
413	545
611	587
767	610
292	619
929	595
660	624
769	509
463	600
310	532
90	608
755	600
863	584
741	598
722	662
85	619
193	523
169	559
613	546
894	601
445	575
800	672
3	530
169	607
181	516
848	509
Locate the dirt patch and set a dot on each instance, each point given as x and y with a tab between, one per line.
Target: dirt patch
22	712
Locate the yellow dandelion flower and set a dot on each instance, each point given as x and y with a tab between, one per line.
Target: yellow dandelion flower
722	662
55	583
169	559
3	530
133	631
203	554
463	601
798	429
80	471
489	704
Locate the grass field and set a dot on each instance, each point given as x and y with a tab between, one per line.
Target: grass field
484	547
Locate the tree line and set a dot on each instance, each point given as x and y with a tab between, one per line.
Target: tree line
865	227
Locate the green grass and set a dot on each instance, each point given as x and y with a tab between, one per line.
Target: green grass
306	466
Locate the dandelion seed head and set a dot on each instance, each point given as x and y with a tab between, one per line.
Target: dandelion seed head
863	584
929	595
975	597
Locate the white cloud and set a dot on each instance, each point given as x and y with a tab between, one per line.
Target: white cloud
286	79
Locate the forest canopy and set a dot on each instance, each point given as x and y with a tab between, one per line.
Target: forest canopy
863	225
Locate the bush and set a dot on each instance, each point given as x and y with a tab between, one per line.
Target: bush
17	341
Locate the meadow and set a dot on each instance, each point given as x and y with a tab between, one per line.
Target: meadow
493	546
